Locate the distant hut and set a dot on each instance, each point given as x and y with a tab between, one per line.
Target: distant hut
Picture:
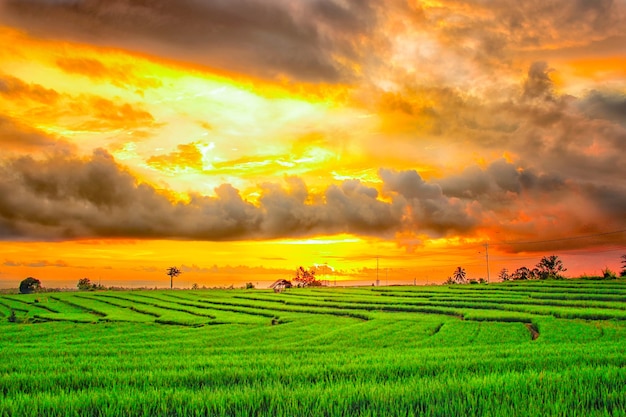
280	285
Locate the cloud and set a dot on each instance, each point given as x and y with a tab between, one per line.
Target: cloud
428	209
119	75
552	132
523	204
31	101
16	89
38	264
605	105
456	84
538	84
18	137
314	40
494	28
105	114
64	197
186	156
251	271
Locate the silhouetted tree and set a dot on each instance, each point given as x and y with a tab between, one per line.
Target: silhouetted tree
550	267
30	285
522	273
305	278
195	286
623	271
173	271
85	284
504	275
459	275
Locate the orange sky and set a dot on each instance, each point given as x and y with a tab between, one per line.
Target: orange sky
239	140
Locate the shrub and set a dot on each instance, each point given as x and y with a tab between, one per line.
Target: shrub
608	274
30	285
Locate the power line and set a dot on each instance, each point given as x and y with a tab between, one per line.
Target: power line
590	251
559	240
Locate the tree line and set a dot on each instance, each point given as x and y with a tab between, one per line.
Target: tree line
549	267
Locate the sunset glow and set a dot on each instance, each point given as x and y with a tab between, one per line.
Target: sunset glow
378	140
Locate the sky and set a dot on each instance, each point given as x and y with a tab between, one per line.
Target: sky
239	139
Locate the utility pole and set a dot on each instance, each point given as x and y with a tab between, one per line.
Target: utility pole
487	258
377	281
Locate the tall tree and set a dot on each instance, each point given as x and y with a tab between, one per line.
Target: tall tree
85	284
550	267
305	278
173	271
504	275
459	275
623	271
522	274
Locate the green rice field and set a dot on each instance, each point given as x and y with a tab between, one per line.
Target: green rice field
540	348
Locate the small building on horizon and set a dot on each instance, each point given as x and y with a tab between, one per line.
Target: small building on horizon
280	285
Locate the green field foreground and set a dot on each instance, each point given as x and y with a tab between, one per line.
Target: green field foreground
541	348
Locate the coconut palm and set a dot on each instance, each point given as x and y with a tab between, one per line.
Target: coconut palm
459	275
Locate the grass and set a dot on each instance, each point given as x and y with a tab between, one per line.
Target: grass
395	351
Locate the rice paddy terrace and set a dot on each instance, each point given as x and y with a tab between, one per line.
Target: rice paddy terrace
541	348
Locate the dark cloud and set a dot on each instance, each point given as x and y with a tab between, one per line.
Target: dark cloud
523	204
498	29
410	185
611	199
65	197
538	84
311	40
15	136
503	182
427	208
358	204
605	105
62	197
557	135
531	21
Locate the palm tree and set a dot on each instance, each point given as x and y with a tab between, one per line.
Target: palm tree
459	275
173	271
